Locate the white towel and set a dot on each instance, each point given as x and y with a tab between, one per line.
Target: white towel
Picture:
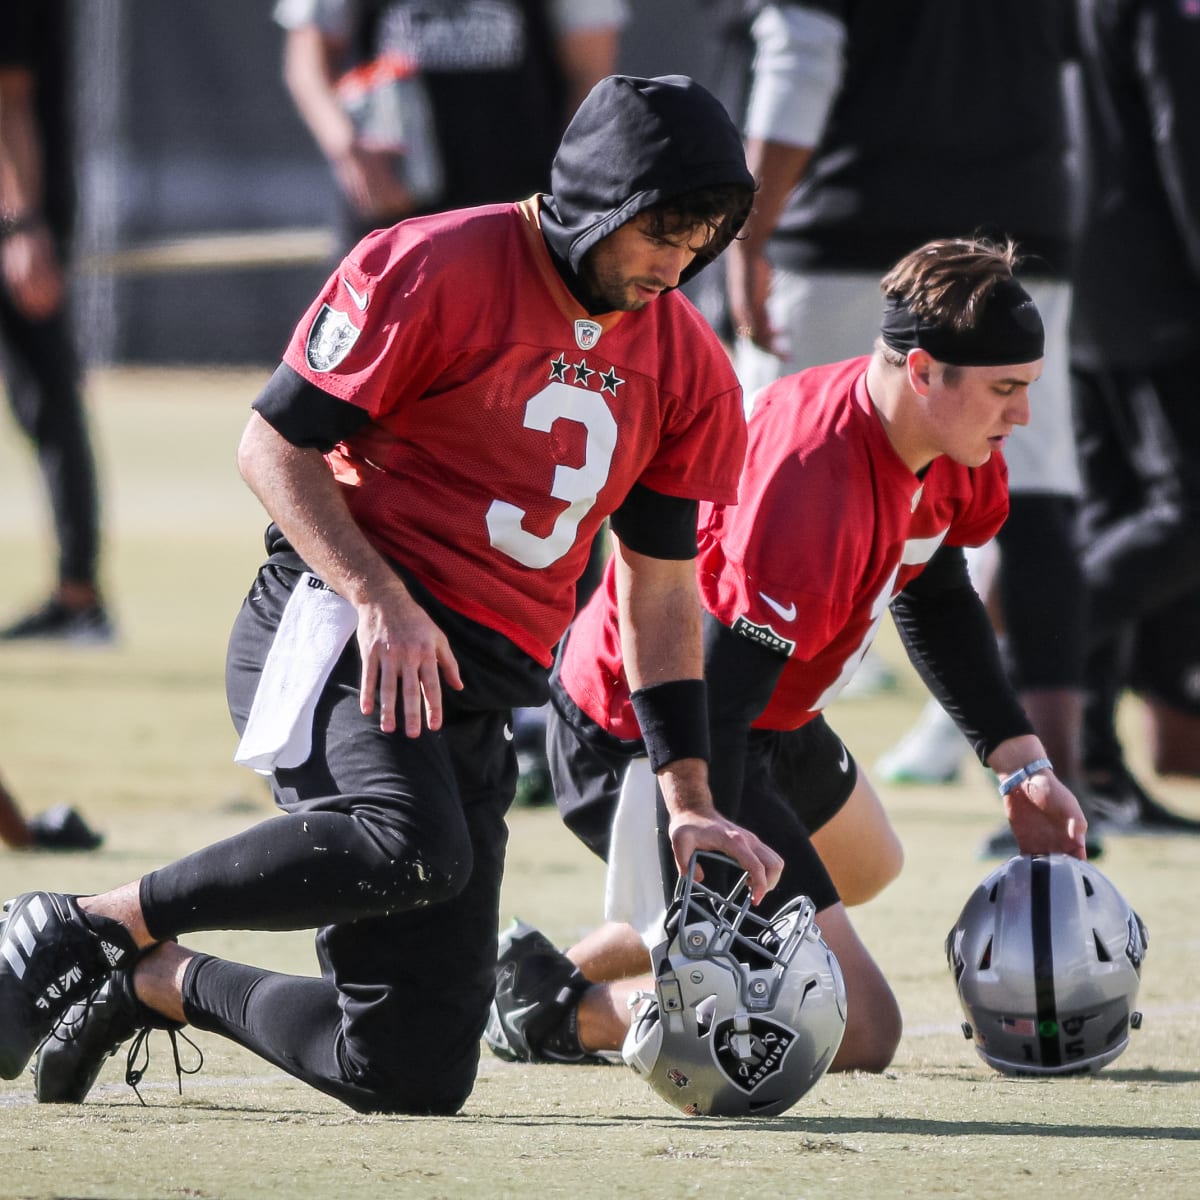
313	631
633	886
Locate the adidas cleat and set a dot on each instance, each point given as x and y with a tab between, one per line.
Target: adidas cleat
51	954
93	1030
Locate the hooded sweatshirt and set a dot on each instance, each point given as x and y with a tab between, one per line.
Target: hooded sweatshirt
634	143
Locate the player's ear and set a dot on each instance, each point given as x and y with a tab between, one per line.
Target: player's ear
920	370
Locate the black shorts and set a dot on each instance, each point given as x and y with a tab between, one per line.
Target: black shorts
796	781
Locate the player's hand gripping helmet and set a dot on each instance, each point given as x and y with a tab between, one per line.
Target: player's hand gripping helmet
747	1013
1047	956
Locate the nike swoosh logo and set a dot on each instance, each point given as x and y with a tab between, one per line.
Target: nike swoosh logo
360	301
844	764
508	733
788	614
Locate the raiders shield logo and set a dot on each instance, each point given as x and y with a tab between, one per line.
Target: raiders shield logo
587	334
329	340
768	1047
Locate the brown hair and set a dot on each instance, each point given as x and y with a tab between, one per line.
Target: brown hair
947	282
722	210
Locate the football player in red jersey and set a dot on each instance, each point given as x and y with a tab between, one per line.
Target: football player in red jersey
864	480
468	398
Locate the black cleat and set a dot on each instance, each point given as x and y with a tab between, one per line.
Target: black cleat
93	1030
532	1018
1122	806
55	622
62	828
51	954
1003	844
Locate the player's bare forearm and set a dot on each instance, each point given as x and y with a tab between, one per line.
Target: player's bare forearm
659	612
311	63
659	615
20	151
296	488
404	654
586	56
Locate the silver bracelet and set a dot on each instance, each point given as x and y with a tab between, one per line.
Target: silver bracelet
1019	777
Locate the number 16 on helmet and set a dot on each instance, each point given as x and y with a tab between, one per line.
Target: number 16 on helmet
1047	958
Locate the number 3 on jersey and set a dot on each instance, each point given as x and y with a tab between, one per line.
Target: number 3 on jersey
577	486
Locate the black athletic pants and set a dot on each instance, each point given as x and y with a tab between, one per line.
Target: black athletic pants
394	848
42	370
1042	592
1138	433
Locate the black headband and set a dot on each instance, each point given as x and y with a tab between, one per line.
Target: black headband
1009	330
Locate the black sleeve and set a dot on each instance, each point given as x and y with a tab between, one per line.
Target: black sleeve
945	629
741	677
305	415
656	525
1167	40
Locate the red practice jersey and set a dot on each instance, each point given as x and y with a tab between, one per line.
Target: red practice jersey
831	524
507	423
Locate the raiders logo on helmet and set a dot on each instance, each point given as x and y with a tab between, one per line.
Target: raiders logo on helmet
752	1056
747	1011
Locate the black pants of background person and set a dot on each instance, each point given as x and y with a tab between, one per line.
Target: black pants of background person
41	368
1042	593
393	848
1138	434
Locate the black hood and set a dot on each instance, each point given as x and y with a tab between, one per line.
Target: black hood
632	143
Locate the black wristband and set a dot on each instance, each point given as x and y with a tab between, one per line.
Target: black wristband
674	720
22	224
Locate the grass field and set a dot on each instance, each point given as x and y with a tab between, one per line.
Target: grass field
138	737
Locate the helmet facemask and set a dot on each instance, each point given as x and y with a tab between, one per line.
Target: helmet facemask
747	1011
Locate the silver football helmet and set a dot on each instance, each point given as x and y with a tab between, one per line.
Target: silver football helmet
747	1012
1047	957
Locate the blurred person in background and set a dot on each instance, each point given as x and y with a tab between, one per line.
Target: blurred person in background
425	105
41	365
1135	360
1164	676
